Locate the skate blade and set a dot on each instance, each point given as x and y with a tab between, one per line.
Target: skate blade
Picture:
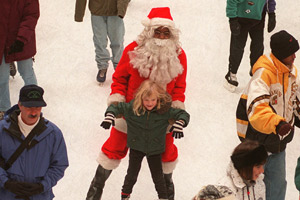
229	87
101	84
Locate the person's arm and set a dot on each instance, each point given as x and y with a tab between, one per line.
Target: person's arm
79	10
231	8
121	77
3	174
122	7
178	92
59	161
29	20
260	114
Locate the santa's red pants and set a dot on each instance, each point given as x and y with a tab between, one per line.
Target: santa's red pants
115	146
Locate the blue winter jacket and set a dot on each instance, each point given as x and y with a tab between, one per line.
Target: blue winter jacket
44	161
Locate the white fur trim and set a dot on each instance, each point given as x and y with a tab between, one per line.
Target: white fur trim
158	22
115	98
168	167
106	162
121	125
178	104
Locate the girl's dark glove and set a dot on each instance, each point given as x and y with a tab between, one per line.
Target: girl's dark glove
108	121
177	129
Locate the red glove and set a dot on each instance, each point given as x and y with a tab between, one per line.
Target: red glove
283	128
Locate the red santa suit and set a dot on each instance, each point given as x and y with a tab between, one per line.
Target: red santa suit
127	77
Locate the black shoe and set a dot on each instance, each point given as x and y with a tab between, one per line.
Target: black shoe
101	76
12	69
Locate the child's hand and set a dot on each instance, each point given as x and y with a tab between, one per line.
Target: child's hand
108	121
177	129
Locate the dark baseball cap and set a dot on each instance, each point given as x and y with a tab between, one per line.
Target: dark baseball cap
32	96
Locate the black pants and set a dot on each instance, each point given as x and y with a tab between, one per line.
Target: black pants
255	29
155	165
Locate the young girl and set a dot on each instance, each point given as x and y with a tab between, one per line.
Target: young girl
147	117
245	171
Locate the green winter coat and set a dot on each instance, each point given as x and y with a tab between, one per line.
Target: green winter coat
147	133
251	9
101	8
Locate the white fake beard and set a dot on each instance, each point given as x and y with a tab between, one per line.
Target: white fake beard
157	59
161	42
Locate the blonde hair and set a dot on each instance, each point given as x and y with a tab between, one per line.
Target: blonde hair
146	89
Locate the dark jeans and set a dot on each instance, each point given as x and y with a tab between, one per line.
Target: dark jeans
155	165
255	29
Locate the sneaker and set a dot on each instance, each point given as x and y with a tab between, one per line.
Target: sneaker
101	76
1	115
230	82
12	69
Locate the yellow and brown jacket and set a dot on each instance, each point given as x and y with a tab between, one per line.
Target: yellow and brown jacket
269	98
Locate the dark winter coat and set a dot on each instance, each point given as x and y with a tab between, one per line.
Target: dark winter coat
147	133
101	8
18	19
43	162
249	9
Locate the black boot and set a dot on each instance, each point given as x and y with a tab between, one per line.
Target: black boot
97	184
170	186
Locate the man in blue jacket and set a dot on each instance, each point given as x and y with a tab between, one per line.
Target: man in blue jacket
33	154
247	18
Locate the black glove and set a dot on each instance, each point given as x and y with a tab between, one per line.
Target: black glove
271	22
177	129
33	188
22	197
16	187
16	47
235	26
283	128
108	121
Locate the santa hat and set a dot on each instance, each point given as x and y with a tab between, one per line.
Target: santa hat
211	192
159	16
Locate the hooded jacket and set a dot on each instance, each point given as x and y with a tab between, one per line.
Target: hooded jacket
244	190
44	161
18	19
147	132
267	100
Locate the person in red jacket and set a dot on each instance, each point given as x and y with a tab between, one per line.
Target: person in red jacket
156	55
18	19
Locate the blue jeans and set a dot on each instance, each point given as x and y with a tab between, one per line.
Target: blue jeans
275	174
26	71
105	27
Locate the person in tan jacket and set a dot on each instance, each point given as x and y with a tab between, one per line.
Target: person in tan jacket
107	22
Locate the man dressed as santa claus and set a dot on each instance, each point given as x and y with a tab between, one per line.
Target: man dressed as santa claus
155	55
